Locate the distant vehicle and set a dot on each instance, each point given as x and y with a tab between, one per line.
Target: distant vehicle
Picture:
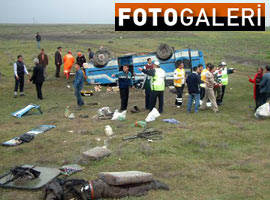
100	70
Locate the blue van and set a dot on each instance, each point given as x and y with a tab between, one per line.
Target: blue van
101	73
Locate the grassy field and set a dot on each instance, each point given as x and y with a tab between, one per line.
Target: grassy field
223	156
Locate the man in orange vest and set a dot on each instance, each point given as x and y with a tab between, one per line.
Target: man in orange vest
68	63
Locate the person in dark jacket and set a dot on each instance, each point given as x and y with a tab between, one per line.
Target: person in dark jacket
38	77
90	54
38	38
265	86
146	84
58	61
125	81
256	86
80	59
19	71
193	82
78	85
44	61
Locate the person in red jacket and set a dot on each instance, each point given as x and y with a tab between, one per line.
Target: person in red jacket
256	83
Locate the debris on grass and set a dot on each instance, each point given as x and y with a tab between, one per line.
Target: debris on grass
120	116
26	110
67	170
152	115
171	121
97	153
108	131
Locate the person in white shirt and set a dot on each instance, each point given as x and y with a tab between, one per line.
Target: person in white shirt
19	71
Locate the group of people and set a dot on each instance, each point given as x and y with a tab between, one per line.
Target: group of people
40	70
207	84
261	85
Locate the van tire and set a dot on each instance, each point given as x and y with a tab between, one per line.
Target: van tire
164	52
101	58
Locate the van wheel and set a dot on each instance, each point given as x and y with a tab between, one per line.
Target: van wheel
164	52
101	58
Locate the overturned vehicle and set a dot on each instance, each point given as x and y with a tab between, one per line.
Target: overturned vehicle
100	70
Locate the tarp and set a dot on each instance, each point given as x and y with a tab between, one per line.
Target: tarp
16	141
46	175
25	110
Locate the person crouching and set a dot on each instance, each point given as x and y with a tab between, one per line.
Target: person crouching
125	81
78	85
38	77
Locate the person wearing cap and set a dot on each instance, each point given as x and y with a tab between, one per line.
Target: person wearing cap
125	82
38	77
19	71
209	90
80	59
225	78
157	83
78	85
68	63
179	83
58	61
146	84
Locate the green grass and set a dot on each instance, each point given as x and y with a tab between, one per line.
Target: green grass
222	156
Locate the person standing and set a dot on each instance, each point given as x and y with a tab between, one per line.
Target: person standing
256	86
203	79
90	54
218	87
44	61
58	61
179	83
19	71
78	85
157	83
193	83
38	38
38	78
209	90
146	84
125	81
80	59
225	78
68	63
265	86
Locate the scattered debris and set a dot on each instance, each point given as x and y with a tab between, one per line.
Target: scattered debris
104	111
25	110
152	115
108	131
97	153
83	116
98	88
147	133
135	110
28	136
263	111
171	121
83	132
28	177
113	89
87	93
119	115
67	170
141	124
69	114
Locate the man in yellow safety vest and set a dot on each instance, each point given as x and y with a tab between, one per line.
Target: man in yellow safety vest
225	78
157	83
179	83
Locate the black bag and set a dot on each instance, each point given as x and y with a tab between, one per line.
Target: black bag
26	138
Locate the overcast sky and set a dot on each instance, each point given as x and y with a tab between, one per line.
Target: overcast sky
79	11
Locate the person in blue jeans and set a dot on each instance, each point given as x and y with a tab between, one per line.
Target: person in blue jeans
78	85
193	82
